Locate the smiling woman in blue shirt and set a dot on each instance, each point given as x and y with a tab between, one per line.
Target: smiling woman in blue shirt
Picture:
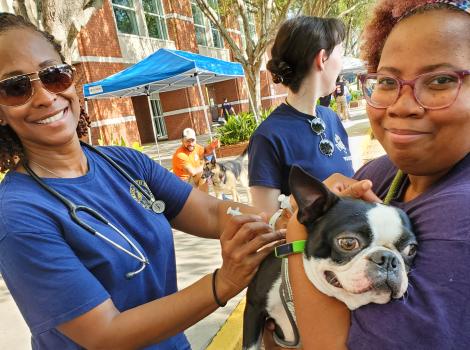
86	246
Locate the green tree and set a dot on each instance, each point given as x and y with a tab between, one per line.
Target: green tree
260	20
353	13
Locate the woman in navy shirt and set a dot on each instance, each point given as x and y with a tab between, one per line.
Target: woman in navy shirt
306	58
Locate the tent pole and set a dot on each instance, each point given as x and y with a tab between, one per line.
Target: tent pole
204	107
89	128
255	113
153	127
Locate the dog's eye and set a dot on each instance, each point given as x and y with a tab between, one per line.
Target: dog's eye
410	250
348	243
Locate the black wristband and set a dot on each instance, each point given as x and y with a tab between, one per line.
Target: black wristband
214	292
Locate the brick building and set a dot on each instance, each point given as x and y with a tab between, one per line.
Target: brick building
122	33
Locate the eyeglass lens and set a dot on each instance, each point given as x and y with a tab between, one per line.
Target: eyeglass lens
18	90
15	91
432	90
318	127
326	147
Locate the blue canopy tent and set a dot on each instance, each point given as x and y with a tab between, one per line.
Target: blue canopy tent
164	70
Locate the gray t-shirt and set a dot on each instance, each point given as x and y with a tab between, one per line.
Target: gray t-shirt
435	312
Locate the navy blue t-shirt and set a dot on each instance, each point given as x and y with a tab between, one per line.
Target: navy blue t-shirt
285	138
435	312
57	271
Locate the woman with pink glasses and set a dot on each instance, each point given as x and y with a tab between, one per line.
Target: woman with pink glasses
418	96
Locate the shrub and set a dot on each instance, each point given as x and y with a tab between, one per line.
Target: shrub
239	128
333	104
355	95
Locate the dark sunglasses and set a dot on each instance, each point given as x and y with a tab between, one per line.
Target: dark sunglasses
18	90
318	127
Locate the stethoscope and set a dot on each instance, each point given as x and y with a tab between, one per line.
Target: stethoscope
157	206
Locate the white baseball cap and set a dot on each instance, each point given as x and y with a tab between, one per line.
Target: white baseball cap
189	133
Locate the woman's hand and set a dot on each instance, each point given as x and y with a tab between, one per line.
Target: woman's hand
346	186
246	241
215	143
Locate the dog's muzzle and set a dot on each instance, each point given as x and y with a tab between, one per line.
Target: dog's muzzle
385	272
381	271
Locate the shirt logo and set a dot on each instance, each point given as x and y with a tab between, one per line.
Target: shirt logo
339	144
139	197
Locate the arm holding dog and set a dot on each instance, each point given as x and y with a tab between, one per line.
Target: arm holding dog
324	319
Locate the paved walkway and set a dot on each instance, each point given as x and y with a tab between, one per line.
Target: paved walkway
195	257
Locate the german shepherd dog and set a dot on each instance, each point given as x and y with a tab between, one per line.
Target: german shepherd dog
226	175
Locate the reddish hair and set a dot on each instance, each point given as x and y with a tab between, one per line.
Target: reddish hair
386	15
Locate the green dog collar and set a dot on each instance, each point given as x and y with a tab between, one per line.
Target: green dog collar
294	247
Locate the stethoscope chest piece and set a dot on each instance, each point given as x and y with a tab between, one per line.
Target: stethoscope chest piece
158	207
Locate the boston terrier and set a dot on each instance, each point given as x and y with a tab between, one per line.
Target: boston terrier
357	252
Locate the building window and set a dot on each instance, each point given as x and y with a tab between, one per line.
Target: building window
251	28
203	26
124	12
216	36
155	19
199	24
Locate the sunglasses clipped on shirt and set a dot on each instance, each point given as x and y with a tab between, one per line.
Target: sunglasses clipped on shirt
318	127
18	90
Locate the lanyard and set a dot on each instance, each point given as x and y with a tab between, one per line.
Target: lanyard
396	183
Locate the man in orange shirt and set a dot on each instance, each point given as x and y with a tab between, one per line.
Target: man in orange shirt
188	160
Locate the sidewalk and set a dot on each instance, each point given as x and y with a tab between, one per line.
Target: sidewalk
195	257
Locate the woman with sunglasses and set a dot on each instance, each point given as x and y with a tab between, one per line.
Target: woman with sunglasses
305	58
418	96
117	290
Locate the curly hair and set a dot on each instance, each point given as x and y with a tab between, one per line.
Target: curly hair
11	149
297	42
386	15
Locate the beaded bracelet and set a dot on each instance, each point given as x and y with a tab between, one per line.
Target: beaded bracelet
214	292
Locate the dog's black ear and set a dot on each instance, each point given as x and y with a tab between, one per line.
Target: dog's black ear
312	197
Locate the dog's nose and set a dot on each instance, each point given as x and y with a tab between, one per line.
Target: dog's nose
386	260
